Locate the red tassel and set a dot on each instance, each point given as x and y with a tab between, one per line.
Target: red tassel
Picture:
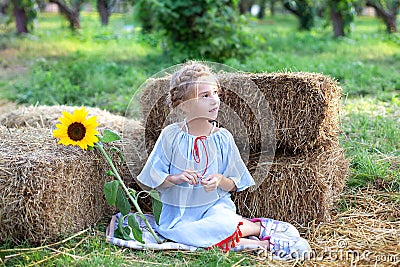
224	244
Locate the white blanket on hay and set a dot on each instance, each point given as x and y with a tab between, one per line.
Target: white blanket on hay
150	242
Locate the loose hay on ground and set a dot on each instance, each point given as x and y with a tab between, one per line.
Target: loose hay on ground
364	231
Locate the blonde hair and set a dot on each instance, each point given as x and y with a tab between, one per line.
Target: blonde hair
183	82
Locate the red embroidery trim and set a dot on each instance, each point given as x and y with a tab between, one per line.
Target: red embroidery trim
195	151
224	244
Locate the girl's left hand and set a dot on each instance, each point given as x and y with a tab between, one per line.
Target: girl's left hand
211	182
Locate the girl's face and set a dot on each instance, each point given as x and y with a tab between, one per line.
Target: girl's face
205	102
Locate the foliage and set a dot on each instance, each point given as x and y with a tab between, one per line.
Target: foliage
387	10
144	12
202	29
304	11
117	194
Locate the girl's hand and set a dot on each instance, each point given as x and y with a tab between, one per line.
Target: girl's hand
211	182
187	176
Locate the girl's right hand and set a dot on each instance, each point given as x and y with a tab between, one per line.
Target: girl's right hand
187	176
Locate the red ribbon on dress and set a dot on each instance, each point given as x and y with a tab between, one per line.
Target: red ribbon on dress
195	151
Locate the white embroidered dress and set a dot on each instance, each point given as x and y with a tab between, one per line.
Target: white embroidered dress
190	215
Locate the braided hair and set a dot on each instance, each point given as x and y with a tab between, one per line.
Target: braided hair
183	82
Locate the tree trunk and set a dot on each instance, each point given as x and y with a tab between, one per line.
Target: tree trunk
391	23
3	8
272	7
261	13
71	13
245	6
337	22
104	11
389	17
242	7
20	17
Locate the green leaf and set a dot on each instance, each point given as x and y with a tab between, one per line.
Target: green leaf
123	231
110	191
109	136
110	173
156	205
136	230
121	156
122	202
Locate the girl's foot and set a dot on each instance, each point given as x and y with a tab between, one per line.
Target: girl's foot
270	227
287	248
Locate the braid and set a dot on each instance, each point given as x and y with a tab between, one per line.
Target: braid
183	82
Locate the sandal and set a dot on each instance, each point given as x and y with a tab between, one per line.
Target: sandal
270	227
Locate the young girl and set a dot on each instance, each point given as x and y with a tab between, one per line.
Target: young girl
194	165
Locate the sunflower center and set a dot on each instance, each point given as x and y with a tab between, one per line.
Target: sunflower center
76	131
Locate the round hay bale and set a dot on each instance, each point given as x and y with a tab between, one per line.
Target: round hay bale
298	188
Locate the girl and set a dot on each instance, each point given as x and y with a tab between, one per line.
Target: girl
195	165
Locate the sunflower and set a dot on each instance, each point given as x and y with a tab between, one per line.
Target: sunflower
76	130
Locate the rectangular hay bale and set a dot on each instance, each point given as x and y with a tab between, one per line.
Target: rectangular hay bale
299	188
304	106
47	190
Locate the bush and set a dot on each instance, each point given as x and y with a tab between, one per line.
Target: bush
202	29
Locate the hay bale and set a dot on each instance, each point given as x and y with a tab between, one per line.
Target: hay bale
47	190
305	108
309	170
243	112
47	117
299	188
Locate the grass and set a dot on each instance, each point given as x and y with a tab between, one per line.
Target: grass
104	66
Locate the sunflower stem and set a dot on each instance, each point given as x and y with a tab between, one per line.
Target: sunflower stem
133	200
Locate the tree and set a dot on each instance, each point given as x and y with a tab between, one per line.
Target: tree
245	6
263	5
144	11
342	14
202	29
387	11
104	8
70	9
24	12
303	10
272	6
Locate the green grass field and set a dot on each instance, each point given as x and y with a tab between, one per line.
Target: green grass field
103	67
